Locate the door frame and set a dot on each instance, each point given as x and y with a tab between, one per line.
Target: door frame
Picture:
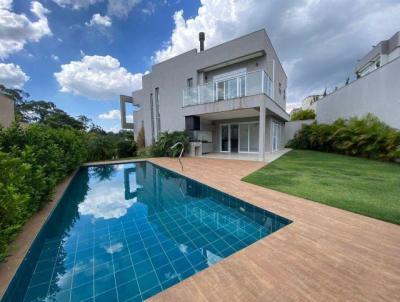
229	136
275	126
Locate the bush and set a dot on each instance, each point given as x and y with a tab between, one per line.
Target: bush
307	114
364	137
163	146
103	146
32	161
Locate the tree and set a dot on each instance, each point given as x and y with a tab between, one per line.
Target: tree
307	114
347	81
324	94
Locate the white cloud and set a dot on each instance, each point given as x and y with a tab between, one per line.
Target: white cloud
99	20
121	8
16	29
98	78
115	8
318	42
115	114
108	200
55	57
111	115
76	4
12	75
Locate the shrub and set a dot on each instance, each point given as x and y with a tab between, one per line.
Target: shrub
365	137
103	146
306	114
163	146
32	161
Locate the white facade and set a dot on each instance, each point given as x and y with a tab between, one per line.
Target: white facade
234	93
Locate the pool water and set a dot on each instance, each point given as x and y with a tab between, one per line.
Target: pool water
127	232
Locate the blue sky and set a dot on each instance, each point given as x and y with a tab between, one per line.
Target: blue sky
132	40
81	54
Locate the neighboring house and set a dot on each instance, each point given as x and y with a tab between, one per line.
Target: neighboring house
309	102
381	54
376	92
7	114
230	98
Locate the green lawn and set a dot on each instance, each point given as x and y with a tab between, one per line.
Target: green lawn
358	185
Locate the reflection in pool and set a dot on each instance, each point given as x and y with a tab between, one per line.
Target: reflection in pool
127	232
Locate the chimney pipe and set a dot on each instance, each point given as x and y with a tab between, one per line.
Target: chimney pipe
202	37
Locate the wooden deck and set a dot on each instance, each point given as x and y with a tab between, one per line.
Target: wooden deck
326	254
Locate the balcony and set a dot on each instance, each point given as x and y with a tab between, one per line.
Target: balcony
252	83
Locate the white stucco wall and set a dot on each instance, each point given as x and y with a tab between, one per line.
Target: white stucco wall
7	115
291	128
377	93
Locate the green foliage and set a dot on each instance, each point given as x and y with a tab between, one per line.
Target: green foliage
103	146
163	146
306	114
365	137
32	161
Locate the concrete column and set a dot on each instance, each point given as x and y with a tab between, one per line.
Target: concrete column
261	133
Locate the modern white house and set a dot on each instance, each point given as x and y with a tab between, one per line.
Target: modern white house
376	90
231	98
382	53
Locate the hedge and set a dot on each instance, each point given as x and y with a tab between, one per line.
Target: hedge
32	161
364	137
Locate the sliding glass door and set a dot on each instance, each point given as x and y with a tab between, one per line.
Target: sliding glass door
239	137
224	138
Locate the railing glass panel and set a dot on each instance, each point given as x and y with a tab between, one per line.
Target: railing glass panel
252	83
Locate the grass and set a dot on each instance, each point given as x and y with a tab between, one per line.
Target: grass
363	186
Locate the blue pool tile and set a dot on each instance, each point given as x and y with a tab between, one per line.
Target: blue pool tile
36	292
103	270
151	292
128	291
82	292
147	281
125	275
181	265
122	263
41	277
143	267
104	284
108	296
159	260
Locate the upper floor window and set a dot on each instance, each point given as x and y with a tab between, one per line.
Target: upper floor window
189	82
280	88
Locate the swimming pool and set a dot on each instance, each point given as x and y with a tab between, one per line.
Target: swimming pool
127	232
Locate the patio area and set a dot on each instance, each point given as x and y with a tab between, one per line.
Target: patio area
269	157
326	254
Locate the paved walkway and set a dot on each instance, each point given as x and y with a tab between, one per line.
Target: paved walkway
326	254
269	157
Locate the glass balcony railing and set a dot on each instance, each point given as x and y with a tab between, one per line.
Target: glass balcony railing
248	84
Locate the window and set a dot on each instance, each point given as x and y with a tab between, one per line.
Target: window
189	83
158	120
284	94
280	88
152	117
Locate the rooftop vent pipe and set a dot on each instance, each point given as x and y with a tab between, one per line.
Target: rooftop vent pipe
202	37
